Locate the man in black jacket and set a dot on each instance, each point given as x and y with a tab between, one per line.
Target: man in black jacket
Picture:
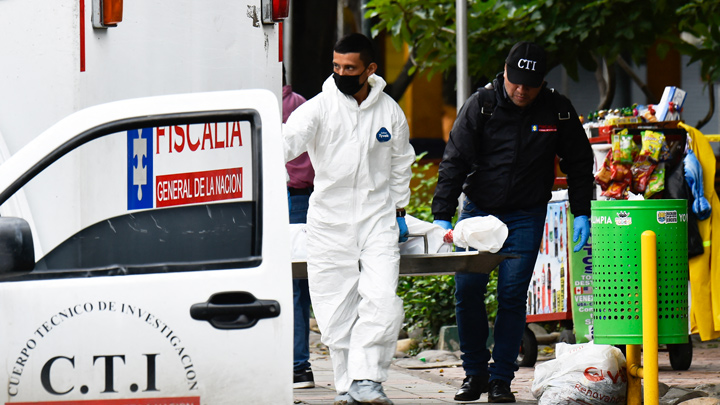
501	154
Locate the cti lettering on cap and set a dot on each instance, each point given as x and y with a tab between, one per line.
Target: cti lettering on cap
527	64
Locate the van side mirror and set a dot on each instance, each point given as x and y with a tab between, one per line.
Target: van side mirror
17	252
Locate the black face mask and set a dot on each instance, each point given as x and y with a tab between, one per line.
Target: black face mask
349	84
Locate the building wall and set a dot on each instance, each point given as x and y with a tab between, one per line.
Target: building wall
584	93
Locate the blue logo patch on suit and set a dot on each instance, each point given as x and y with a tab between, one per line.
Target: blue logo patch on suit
383	135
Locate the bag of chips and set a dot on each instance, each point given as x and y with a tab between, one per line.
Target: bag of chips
656	182
604	175
641	171
617	191
621	173
622	147
652	145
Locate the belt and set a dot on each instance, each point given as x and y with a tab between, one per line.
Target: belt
300	191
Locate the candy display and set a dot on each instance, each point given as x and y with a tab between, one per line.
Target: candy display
601	123
668	109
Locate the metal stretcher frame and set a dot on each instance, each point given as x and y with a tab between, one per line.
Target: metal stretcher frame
427	264
434	263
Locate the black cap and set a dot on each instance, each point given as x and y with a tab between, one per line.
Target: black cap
526	64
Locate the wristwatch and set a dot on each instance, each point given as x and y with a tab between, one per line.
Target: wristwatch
400	212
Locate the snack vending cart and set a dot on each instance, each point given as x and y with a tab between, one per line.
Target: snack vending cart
548	298
561	288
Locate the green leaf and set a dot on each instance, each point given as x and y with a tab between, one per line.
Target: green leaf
568	29
715	33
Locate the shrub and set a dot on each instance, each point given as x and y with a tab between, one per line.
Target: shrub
423	187
429	303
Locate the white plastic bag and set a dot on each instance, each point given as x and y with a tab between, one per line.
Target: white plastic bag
582	374
486	234
414	245
433	233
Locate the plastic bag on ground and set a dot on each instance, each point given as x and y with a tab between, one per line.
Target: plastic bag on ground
486	234
582	374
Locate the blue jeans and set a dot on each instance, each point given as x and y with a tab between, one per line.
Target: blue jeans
301	295
525	230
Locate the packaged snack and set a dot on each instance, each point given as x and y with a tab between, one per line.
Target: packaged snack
622	145
652	144
617	191
634	150
656	183
604	175
649	115
621	173
641	171
665	154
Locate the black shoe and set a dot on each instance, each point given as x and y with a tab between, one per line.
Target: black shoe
303	379
472	387
500	392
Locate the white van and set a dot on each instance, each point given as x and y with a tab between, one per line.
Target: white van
143	256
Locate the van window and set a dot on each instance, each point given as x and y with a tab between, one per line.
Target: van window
161	194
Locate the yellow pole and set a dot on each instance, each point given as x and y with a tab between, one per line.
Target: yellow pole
649	315
634	388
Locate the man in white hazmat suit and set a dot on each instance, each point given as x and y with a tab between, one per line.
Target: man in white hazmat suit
357	138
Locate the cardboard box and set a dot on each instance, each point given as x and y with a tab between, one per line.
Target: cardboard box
671	94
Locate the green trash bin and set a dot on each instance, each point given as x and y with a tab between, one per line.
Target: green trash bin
617	226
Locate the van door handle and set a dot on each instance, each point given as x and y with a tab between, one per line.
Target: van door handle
234	310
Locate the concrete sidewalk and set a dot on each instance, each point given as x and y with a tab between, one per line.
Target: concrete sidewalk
434	384
404	386
437	384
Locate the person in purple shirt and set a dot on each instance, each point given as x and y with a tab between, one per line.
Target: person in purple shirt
300	187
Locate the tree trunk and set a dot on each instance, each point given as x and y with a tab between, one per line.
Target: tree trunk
643	86
709	115
605	87
397	88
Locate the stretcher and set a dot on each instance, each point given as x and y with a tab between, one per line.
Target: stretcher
426	264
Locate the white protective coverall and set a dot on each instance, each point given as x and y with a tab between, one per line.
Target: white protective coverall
362	159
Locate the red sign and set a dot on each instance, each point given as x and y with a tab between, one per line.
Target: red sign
137	401
197	187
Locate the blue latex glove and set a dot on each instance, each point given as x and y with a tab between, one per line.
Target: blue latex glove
694	178
403	229
446	225
581	230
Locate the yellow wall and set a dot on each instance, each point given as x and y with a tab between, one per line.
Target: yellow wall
422	101
424	106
